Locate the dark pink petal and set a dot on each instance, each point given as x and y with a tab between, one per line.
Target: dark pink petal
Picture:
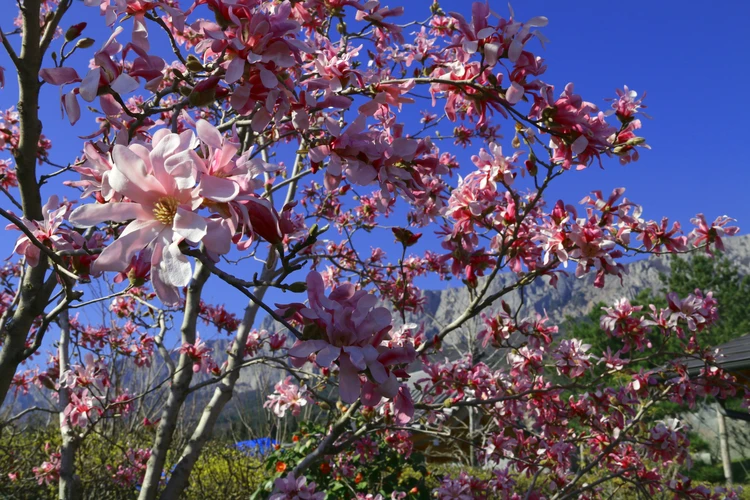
403	406
349	383
59	76
370	394
327	355
303	348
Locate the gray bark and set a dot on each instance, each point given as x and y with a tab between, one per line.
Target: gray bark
222	395
178	391
69	483
33	298
726	459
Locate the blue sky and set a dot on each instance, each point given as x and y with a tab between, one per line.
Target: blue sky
692	61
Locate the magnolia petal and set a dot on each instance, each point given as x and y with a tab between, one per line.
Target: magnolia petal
208	134
131	178
89	87
189	225
124	84
515	50
370	394
59	76
218	239
93	214
316	291
327	355
356	356
403	406
349	383
491	53
235	70
260	120
514	93
117	256
268	79
377	370
109	106
218	189
70	103
175	268
306	347
579	145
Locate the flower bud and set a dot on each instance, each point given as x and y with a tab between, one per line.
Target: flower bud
298	287
85	43
74	32
406	237
194	64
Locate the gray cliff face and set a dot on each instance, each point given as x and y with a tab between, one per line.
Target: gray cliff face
573	296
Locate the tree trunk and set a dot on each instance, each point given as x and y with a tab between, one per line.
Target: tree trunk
69	483
178	391
724	445
223	393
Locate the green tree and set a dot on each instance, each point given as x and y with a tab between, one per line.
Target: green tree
722	277
709	274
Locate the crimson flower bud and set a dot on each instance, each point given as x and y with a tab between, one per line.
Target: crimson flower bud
406	237
74	32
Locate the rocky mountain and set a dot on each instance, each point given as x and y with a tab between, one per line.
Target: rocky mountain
572	297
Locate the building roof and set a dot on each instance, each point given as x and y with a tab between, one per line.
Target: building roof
735	356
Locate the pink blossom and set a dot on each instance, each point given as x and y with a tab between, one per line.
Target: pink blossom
705	234
622	321
571	358
200	354
348	328
697	310
287	397
49	471
292	488
80	409
49	231
159	184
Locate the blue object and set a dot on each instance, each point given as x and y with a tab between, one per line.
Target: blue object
256	447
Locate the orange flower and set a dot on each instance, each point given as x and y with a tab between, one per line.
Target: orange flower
277	447
295	438
325	468
280	466
358	479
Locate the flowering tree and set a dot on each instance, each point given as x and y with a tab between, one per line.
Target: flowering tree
185	170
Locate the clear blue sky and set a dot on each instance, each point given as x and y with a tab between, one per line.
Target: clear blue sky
691	59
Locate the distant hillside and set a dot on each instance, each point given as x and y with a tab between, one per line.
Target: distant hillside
572	297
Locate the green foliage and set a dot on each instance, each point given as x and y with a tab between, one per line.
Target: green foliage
20	451
714	473
225	473
221	472
722	277
23	449
718	275
385	472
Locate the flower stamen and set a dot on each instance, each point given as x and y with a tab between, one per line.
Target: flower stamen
165	209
